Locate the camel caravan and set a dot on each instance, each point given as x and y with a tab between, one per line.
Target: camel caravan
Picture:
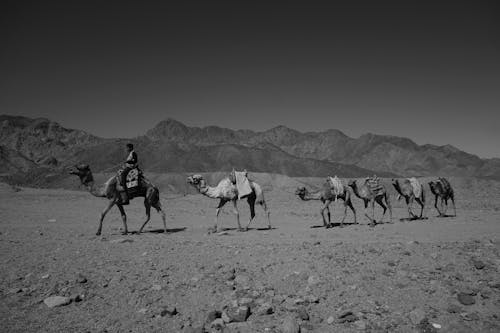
130	183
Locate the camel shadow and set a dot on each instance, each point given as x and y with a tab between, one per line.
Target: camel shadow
445	215
408	219
334	225
262	228
161	231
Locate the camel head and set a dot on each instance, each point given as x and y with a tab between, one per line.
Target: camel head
83	172
436	187
351	183
196	180
301	192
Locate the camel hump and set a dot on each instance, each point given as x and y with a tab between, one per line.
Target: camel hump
374	185
416	187
446	184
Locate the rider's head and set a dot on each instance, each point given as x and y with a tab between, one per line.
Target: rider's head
130	147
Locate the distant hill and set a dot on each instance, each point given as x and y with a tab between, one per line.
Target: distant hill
37	148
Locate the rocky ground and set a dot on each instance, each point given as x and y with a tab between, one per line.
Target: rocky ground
435	275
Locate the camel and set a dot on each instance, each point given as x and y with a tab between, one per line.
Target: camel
226	191
369	196
441	188
109	190
405	189
326	195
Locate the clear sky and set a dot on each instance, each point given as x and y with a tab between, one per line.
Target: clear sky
427	70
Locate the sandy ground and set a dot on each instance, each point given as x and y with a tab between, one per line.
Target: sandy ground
413	276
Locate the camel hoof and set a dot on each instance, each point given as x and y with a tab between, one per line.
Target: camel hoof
98	233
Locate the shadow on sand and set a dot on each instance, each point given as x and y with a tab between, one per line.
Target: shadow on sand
407	219
334	225
161	231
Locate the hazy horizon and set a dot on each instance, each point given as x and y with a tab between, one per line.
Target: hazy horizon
425	70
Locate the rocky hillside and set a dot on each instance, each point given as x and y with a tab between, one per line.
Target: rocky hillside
171	146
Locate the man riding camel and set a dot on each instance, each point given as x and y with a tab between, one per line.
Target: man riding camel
130	163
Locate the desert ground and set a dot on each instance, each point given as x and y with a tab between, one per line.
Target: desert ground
433	275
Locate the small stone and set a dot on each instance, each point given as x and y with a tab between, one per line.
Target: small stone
465	299
330	320
217	324
302	313
54	301
360	325
478	264
242	280
264	309
290	326
156	287
313	280
77	298
347	317
142	310
212	315
45	276
169	310
81	279
225	317
453	308
416	316
469	316
239	314
436	325
312	299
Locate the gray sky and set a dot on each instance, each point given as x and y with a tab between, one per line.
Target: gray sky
429	71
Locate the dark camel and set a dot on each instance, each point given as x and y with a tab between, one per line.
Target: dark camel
326	196
441	188
364	193
109	190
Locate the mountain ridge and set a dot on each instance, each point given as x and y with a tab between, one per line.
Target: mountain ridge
173	146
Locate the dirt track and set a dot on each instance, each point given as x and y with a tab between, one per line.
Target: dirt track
400	277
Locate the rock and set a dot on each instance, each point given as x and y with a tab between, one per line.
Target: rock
330	320
453	308
290	326
347	317
264	309
313	280
212	315
217	324
168	310
81	279
246	301
121	240
225	317
478	264
425	327
242	280
156	287
238	314
45	276
302	313
470	316
465	299
54	301
416	316
360	325
77	298
142	310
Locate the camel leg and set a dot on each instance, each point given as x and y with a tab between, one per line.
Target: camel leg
266	211
124	219
420	202
366	214
322	212
148	214
159	209
436	205
237	213
329	216
251	204
380	201
454	207
222	202
345	214
349	203
103	214
389	206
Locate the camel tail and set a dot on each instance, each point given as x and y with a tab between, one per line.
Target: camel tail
423	194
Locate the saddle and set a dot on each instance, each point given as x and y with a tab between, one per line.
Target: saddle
134	177
374	185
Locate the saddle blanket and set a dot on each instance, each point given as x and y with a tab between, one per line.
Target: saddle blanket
417	188
336	186
375	186
133	177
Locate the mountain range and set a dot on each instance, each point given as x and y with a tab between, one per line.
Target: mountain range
171	146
